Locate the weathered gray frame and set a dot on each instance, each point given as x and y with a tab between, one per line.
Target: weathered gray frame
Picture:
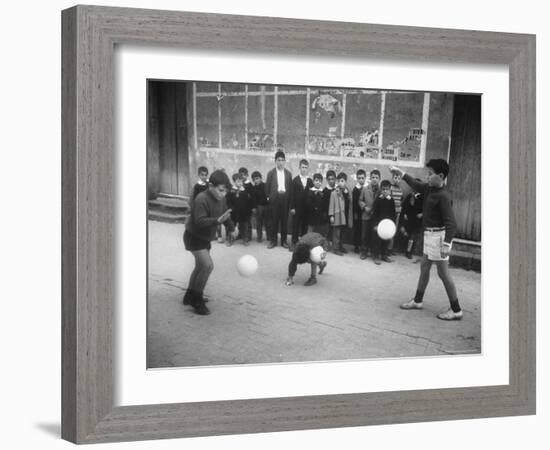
89	36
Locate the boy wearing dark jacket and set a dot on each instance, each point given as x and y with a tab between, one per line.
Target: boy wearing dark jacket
259	205
315	207
383	208
240	202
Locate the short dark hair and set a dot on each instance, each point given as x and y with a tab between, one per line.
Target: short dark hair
301	253
218	178
318	176
202	169
237	176
361	172
330	173
385	184
244	171
304	162
256	174
280	154
439	166
375	172
342	176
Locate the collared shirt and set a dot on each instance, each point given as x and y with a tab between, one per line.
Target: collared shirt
303	180
281	180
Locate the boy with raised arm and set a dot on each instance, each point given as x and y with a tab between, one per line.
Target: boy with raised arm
439	225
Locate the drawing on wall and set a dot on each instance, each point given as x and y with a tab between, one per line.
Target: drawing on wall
365	147
406	149
260	140
326	102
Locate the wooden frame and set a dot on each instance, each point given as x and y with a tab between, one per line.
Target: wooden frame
89	36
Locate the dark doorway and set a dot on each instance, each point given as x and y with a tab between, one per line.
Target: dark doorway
464	179
167	139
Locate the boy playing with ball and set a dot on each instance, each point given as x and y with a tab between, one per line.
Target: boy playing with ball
309	248
439	225
383	208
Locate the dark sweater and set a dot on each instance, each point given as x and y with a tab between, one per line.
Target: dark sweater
410	211
437	210
198	188
205	211
383	208
240	202
326	200
315	202
355	201
299	193
259	197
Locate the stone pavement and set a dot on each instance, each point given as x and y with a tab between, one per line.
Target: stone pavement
351	313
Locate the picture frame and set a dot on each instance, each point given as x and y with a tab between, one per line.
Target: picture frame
89	36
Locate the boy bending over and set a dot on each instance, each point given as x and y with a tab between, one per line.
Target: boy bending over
302	254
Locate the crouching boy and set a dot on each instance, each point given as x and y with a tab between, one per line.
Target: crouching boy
309	248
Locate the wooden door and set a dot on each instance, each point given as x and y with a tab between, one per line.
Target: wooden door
464	179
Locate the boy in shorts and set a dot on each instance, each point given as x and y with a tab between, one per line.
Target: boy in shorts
439	225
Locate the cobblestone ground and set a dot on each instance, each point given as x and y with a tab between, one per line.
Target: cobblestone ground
351	313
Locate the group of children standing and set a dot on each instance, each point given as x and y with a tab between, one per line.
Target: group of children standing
319	217
328	210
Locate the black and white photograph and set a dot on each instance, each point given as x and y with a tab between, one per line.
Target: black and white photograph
308	224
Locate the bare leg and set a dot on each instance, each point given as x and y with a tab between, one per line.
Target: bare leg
444	274
203	268
313	270
425	267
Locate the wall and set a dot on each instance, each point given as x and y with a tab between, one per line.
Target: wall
338	129
31	265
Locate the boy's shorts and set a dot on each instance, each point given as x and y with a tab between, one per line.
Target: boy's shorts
433	243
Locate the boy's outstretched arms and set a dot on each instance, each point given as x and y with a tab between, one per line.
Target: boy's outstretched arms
418	186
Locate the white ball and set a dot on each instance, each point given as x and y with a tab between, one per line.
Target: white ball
247	265
386	229
316	254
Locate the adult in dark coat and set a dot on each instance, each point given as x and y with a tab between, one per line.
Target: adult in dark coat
278	187
301	184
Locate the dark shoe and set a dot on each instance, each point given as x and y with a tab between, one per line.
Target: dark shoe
246	243
338	252
199	306
271	245
363	256
284	245
322	266
409	255
343	250
377	261
311	281
259	239
356	250
387	259
190	295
